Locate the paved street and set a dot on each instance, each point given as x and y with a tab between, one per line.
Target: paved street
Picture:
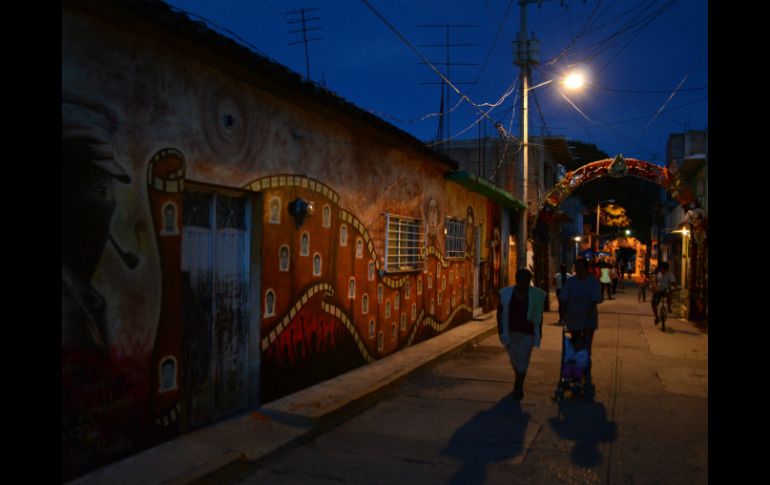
455	423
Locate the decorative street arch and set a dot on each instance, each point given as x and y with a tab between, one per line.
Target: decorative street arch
621	167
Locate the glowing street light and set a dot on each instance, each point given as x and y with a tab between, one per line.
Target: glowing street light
574	80
577	242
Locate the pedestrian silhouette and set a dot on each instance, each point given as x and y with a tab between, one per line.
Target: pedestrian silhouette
492	436
586	424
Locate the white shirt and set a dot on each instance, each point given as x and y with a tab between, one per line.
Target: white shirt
557	277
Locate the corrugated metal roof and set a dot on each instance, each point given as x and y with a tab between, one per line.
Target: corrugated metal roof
480	186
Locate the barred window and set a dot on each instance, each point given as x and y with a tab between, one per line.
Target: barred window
403	244
455	237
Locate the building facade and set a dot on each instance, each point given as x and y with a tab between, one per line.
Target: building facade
232	233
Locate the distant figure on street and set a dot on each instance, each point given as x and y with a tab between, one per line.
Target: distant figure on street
614	277
519	324
605	281
580	296
644	281
558	282
664	281
622	268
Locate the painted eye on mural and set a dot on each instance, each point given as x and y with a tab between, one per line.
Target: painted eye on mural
229	121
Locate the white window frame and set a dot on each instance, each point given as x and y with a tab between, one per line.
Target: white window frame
454	237
404	242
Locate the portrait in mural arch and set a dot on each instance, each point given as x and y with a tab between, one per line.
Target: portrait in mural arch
170	226
327	216
304	244
284	258
275	210
623	167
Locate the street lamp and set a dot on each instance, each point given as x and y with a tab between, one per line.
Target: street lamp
527	54
577	242
598	212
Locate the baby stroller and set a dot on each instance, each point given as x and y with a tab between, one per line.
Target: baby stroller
575	373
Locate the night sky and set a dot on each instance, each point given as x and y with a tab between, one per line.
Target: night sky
646	62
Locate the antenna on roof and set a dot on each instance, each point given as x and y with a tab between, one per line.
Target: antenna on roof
444	108
304	20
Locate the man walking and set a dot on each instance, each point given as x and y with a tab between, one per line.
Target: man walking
580	295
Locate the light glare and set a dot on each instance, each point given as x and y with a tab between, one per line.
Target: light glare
574	81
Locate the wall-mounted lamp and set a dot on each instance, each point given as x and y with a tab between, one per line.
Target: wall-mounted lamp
300	209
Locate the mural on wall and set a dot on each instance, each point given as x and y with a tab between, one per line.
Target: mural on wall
158	265
155	332
492	268
326	319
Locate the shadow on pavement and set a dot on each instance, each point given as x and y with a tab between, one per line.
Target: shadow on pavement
585	423
491	436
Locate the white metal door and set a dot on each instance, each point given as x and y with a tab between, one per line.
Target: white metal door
215	272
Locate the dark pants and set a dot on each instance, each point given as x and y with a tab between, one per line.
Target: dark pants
608	287
561	307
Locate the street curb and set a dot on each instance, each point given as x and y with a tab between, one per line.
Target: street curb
235	466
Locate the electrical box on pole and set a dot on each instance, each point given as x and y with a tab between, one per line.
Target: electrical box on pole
526	52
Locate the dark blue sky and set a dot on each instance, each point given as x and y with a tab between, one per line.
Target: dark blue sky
635	53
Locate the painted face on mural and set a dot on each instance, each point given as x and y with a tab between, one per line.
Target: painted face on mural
432	216
88	206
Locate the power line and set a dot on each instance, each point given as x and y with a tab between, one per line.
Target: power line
403	39
631	91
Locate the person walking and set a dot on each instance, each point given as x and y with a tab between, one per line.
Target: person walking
520	323
614	278
622	267
581	295
605	280
644	281
558	282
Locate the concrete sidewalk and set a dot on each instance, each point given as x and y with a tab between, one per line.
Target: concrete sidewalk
229	449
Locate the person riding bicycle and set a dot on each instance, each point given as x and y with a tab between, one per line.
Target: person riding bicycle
664	281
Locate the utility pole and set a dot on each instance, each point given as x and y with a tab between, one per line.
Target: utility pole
304	31
526	54
444	105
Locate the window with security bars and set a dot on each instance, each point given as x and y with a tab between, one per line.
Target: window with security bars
455	237
403	244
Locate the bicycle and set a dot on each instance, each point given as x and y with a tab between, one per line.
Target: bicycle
663	302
